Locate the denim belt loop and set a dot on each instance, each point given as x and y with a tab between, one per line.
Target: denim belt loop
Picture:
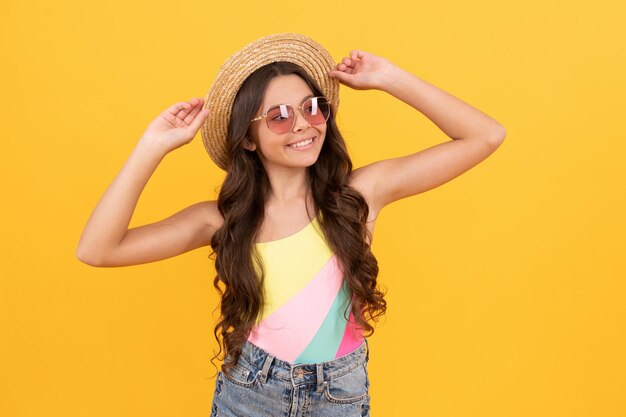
266	368
320	377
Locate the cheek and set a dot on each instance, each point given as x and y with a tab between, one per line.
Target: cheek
323	133
270	145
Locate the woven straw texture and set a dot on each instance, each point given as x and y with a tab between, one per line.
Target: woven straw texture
289	47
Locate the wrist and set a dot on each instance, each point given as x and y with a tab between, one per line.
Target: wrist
392	78
151	148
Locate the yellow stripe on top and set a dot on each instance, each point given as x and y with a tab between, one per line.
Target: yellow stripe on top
290	263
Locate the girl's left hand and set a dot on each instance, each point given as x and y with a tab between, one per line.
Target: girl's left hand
363	70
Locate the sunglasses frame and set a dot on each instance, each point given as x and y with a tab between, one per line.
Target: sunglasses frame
293	121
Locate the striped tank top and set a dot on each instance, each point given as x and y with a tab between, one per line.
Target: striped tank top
305	296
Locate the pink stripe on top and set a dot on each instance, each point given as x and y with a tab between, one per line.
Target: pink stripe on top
352	338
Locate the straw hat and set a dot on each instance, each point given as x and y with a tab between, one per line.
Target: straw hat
289	47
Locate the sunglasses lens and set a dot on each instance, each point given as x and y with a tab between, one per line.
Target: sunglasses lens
280	118
316	110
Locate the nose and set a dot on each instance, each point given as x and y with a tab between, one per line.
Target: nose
300	123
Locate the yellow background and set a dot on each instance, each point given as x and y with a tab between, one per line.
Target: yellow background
505	286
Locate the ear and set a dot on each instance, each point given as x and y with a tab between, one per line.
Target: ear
248	144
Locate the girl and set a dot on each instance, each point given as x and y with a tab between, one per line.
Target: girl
292	227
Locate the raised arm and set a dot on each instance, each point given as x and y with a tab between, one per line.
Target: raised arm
106	239
475	135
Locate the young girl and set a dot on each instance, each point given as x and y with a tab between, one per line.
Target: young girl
292	227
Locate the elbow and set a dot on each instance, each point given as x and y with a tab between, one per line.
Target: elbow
497	137
88	258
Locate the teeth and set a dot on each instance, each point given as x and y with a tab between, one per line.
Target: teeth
301	144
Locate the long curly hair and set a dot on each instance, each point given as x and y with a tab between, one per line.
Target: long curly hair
341	210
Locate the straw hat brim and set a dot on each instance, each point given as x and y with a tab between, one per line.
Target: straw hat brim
289	47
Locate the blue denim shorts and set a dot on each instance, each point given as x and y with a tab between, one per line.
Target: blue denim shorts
265	386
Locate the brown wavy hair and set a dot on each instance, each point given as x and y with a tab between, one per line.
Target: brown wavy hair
341	210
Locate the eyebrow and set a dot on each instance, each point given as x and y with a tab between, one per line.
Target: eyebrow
301	101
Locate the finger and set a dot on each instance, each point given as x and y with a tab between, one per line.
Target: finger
188	118
175	108
339	75
197	122
347	69
346	61
190	106
357	54
196	101
193	103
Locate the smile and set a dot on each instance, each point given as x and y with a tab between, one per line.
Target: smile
305	144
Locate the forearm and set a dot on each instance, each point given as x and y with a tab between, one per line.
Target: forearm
454	117
109	221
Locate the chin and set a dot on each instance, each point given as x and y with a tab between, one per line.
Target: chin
307	163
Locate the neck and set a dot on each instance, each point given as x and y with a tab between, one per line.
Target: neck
287	186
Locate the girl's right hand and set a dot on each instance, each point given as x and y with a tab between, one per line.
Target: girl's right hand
177	125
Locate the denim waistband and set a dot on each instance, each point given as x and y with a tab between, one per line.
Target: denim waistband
260	361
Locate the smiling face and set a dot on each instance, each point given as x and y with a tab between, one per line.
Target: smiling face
273	148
